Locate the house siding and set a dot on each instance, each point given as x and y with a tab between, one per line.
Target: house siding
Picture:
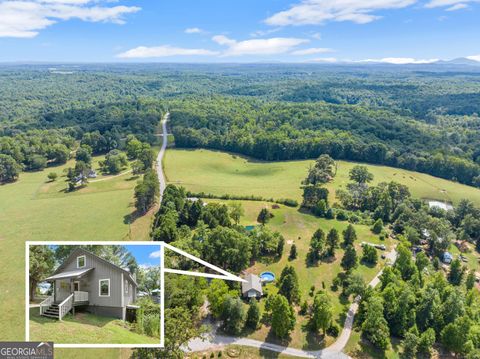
90	282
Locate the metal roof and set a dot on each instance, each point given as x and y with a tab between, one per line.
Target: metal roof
252	282
70	274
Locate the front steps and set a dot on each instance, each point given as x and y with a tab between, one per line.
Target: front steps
51	312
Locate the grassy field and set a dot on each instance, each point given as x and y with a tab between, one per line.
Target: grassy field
37	210
84	328
224	173
298	228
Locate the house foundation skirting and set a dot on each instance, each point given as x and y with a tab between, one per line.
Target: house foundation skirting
113	312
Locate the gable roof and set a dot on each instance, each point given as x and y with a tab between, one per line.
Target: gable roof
70	274
252	282
79	251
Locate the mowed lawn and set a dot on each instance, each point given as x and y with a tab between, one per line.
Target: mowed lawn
33	209
84	328
225	173
298	228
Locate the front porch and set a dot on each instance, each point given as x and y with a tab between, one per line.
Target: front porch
67	293
57	310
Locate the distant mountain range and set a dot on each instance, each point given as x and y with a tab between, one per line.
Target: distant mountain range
459	61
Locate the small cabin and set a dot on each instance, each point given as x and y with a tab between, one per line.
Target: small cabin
87	280
252	288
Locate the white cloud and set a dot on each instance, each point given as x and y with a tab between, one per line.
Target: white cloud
312	51
457	7
312	12
474	57
451	4
328	60
143	52
260	33
155	254
193	30
272	46
317	36
147	266
400	60
24	19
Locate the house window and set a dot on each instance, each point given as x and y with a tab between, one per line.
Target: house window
76	286
126	287
81	261
104	287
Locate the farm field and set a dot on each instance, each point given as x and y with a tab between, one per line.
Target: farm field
84	328
298	228
220	173
33	209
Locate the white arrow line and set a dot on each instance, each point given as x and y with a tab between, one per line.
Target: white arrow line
226	275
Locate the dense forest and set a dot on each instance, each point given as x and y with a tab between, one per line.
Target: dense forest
420	118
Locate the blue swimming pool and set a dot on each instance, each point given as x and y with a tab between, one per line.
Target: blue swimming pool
267	277
249	228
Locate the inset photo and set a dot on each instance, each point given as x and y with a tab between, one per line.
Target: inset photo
95	294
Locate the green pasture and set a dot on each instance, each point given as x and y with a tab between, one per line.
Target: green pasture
34	209
225	173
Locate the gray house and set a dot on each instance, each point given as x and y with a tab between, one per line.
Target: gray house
85	279
252	288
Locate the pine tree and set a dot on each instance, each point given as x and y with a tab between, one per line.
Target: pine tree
349	259
253	315
293	252
332	242
349	235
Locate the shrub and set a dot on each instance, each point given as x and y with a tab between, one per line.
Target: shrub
377	226
354	218
147	319
342	216
333	330
330	214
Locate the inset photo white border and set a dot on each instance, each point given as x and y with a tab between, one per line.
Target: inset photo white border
157	245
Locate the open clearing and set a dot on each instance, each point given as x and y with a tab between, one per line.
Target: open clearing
84	329
33	209
225	173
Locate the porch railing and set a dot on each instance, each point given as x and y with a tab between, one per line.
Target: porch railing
80	296
44	305
65	306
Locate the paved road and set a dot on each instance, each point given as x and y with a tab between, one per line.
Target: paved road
334	351
161	175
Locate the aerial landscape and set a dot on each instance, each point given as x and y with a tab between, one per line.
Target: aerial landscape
330	162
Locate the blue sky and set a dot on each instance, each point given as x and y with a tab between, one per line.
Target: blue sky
146	255
238	31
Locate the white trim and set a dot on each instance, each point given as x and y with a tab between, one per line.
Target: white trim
100	287
155	246
126	286
84	261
